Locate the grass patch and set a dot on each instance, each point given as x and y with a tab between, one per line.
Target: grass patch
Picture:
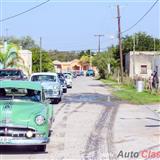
108	81
130	94
111	83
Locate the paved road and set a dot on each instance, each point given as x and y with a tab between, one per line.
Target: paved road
82	127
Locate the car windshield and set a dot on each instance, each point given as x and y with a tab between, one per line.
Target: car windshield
67	76
90	70
18	93
43	78
5	73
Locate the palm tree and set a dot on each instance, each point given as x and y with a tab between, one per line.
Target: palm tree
10	57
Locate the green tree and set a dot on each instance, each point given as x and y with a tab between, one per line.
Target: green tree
143	42
103	60
85	53
84	60
47	64
26	42
10	57
63	56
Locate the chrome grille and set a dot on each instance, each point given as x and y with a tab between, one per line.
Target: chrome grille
49	91
15	132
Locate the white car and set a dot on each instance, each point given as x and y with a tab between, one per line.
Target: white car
68	79
52	87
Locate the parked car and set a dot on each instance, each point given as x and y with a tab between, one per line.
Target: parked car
63	82
77	72
68	73
74	74
51	84
25	116
12	74
68	79
90	72
81	73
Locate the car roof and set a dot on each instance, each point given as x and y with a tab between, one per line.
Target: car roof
90	70
20	84
44	73
10	69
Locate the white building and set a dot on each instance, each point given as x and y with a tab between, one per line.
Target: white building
157	64
142	63
26	55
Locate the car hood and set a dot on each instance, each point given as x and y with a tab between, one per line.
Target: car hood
68	79
47	85
19	112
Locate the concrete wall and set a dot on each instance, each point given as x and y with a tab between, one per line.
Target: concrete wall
134	61
157	64
26	55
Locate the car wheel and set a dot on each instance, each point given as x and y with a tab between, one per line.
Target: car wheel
52	101
56	100
59	99
50	133
64	90
41	148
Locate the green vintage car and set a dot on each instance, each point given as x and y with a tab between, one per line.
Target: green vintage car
25	116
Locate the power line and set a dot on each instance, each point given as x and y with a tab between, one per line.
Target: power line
21	13
141	17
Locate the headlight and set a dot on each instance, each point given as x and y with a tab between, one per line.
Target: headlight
29	134
40	120
55	87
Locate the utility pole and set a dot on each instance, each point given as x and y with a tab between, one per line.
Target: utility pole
90	59
134	49
99	41
120	42
6	34
40	52
154	48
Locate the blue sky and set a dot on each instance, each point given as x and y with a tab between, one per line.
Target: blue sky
71	25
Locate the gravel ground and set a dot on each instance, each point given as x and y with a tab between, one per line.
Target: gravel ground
137	129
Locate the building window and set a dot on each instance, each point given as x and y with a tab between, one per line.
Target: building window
143	69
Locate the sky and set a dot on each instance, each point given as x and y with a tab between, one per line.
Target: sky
70	25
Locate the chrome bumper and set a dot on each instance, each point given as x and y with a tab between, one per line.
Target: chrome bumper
22	141
53	95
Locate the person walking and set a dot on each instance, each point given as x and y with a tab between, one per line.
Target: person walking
155	81
150	83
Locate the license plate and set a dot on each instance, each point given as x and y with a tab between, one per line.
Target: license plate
5	140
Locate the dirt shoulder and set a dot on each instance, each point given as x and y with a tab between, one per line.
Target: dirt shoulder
136	128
